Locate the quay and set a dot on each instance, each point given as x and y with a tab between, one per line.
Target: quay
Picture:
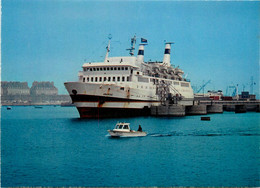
205	107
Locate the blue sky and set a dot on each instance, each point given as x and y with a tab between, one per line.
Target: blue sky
49	40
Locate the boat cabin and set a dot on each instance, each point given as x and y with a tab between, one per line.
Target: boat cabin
122	127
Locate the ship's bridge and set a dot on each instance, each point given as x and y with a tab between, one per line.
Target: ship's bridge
114	69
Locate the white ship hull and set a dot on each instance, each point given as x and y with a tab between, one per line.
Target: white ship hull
93	101
109	100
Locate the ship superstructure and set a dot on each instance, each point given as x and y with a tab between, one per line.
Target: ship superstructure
128	86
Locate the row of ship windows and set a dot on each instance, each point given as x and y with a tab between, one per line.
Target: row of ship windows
123	79
108	79
145	87
105	68
183	84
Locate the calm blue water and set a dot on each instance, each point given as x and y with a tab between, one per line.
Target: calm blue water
52	147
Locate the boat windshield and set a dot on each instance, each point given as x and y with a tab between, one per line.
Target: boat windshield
122	126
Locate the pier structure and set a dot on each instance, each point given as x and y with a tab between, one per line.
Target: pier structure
237	106
173	105
206	107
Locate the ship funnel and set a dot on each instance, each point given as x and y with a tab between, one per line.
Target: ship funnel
167	54
140	55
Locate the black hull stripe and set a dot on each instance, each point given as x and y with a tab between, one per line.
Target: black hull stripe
112	112
92	98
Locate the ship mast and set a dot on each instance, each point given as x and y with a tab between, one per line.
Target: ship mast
108	47
131	50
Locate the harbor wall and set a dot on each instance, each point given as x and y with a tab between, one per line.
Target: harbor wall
200	109
229	108
177	110
173	110
240	108
180	110
215	108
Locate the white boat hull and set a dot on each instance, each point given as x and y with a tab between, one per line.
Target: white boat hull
126	134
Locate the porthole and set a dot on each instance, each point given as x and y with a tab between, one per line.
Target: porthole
74	91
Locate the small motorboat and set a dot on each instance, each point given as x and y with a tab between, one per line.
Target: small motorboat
205	118
123	130
8	108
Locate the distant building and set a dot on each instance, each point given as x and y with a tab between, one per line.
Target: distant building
41	93
15	92
15	88
43	88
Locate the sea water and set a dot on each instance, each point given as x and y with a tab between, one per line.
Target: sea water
52	146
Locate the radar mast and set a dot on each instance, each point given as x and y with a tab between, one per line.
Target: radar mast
108	47
131	50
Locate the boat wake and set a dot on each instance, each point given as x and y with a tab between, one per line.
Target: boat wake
164	134
203	133
196	133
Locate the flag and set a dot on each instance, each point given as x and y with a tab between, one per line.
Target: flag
143	40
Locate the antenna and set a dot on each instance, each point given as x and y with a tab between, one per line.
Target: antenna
131	50
108	47
252	83
109	36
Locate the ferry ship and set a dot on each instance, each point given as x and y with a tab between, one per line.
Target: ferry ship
128	86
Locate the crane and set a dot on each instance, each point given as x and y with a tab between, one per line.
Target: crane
234	90
203	86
